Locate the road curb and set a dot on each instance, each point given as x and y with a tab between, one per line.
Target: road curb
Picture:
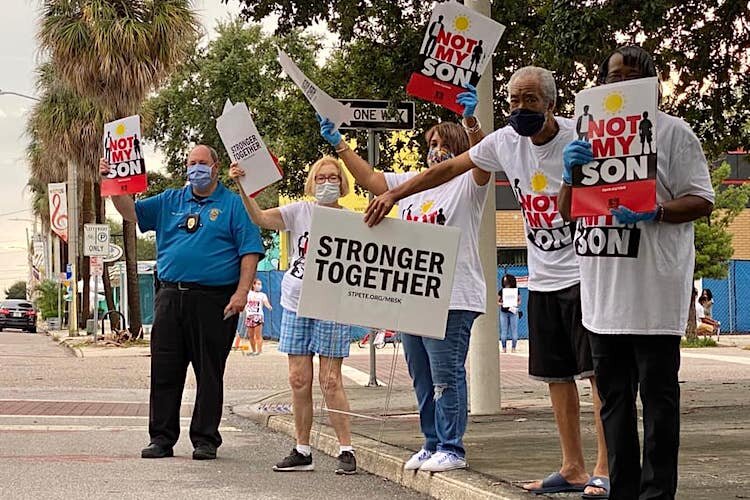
387	461
76	351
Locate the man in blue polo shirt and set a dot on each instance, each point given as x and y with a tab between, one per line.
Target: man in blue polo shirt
208	250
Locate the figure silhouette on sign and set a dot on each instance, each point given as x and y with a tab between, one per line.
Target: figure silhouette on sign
645	130
582	126
137	147
108	147
432	34
440	217
407	212
298	266
476	57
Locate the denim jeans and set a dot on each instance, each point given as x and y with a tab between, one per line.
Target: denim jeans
438	372
508	325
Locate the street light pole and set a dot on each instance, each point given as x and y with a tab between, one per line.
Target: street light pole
484	349
8	92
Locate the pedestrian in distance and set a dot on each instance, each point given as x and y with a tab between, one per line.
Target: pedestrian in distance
437	366
509	314
530	152
636	305
207	256
302	338
255	317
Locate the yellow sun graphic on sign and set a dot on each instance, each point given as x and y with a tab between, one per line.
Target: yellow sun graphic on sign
426	206
614	102
539	182
461	23
120	129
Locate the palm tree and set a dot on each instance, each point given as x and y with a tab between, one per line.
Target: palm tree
66	127
115	52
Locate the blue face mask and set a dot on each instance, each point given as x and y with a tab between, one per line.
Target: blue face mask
526	122
199	176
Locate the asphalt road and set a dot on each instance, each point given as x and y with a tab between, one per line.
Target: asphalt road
93	455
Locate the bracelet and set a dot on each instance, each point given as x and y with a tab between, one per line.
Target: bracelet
660	213
471	130
342	149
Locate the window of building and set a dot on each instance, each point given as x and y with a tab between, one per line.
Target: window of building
511	257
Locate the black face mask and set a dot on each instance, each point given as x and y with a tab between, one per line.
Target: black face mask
526	122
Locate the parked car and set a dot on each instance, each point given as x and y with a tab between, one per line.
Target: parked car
17	314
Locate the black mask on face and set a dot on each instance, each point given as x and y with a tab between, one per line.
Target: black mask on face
526	122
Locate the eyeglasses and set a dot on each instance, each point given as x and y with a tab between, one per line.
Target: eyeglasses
333	179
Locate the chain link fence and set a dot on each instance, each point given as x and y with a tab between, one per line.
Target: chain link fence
732	298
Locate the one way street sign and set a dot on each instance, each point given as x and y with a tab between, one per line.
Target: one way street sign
375	115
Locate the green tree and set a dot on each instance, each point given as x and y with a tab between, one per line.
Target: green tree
16	291
713	241
46	298
240	64
702	46
115	52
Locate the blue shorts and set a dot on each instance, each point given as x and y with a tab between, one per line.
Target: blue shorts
307	336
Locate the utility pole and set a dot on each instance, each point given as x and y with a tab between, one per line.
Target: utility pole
484	348
73	245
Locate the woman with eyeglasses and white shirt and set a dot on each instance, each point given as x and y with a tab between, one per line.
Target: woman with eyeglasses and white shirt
302	338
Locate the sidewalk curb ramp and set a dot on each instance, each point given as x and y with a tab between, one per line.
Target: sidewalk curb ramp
388	461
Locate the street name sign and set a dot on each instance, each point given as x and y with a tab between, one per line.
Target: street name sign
376	115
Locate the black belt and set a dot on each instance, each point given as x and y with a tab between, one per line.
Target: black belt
186	287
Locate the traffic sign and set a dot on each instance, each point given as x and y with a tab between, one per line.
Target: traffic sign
96	265
115	252
96	240
376	115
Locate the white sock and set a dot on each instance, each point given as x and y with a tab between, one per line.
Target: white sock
343	448
304	449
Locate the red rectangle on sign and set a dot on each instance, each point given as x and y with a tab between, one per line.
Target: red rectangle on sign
435	91
124	185
638	196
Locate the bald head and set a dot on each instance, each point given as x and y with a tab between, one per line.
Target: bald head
203	154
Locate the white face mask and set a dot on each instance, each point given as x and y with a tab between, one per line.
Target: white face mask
327	193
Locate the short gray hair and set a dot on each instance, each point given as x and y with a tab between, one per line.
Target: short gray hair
211	151
545	78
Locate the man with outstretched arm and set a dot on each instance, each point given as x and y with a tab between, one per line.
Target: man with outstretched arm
530	151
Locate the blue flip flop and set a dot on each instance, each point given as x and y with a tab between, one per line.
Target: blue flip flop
598	482
556	483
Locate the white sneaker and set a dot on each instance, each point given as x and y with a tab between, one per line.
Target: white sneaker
442	461
416	460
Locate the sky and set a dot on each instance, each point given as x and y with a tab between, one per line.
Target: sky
19	55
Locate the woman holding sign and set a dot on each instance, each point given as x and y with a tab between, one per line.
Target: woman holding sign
437	366
302	338
636	303
509	312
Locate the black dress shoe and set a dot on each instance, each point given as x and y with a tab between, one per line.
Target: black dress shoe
204	452
153	450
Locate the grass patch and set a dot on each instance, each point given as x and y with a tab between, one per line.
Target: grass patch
698	342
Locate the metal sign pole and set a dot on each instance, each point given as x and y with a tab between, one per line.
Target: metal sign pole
96	305
373	156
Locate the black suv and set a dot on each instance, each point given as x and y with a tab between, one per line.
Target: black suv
17	314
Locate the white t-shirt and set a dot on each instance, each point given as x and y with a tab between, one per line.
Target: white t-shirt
297	219
459	203
255	301
535	174
700	313
638	279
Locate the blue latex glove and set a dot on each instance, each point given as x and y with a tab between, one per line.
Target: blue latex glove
626	216
575	153
468	100
328	131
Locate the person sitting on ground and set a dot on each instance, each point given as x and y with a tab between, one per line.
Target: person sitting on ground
704	324
302	338
709	304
